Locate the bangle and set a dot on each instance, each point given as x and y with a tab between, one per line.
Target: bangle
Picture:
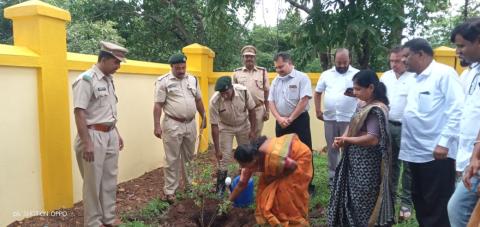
475	143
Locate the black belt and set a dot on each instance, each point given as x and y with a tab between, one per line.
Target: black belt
396	123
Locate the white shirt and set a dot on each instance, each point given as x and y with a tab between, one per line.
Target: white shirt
337	106
287	91
464	78
432	115
469	123
397	91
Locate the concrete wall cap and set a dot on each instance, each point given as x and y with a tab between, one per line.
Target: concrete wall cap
36	8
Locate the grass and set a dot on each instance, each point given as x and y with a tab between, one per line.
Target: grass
322	195
149	214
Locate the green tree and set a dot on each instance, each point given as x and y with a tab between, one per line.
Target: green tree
270	40
367	27
84	36
154	29
439	28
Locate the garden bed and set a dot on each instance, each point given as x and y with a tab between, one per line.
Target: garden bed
138	202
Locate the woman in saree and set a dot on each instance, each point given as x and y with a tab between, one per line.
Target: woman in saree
362	192
286	167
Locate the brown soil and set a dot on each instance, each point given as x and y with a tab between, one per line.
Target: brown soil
133	195
180	215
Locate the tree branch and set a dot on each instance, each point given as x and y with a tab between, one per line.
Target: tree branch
299	6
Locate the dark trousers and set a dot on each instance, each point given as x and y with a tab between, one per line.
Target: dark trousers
405	192
432	185
300	126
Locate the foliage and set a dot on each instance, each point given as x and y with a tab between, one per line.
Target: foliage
224	207
149	214
153	30
155	208
322	195
439	29
85	37
134	224
367	28
203	189
270	40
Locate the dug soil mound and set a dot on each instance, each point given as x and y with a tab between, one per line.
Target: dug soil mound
187	213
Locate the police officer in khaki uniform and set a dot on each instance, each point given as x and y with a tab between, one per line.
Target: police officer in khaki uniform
98	141
232	114
176	93
255	79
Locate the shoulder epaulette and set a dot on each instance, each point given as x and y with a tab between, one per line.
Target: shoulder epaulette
215	97
261	68
88	75
195	78
238	69
160	78
239	87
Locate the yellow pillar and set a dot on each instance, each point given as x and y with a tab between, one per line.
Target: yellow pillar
447	55
200	60
41	28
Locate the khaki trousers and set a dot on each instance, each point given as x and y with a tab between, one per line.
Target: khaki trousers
226	142
259	112
333	129
99	177
179	145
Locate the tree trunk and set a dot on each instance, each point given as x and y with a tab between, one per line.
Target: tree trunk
324	60
465	10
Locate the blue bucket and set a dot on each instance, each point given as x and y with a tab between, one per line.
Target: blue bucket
245	198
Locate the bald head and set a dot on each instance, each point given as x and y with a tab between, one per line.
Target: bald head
342	52
342	60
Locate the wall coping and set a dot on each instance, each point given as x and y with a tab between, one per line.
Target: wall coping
18	56
35	8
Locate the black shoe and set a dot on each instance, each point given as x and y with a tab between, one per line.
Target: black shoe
311	190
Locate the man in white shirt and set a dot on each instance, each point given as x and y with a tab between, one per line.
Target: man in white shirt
338	107
430	129
398	82
466	37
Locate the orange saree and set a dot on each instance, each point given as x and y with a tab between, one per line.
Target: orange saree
283	199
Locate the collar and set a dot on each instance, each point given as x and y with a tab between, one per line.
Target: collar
235	92
475	65
173	77
98	73
426	72
403	75
245	68
348	70
292	74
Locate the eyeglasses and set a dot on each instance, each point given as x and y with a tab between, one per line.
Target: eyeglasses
474	83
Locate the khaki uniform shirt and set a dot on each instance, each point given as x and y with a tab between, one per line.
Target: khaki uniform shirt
256	81
94	92
178	95
234	112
